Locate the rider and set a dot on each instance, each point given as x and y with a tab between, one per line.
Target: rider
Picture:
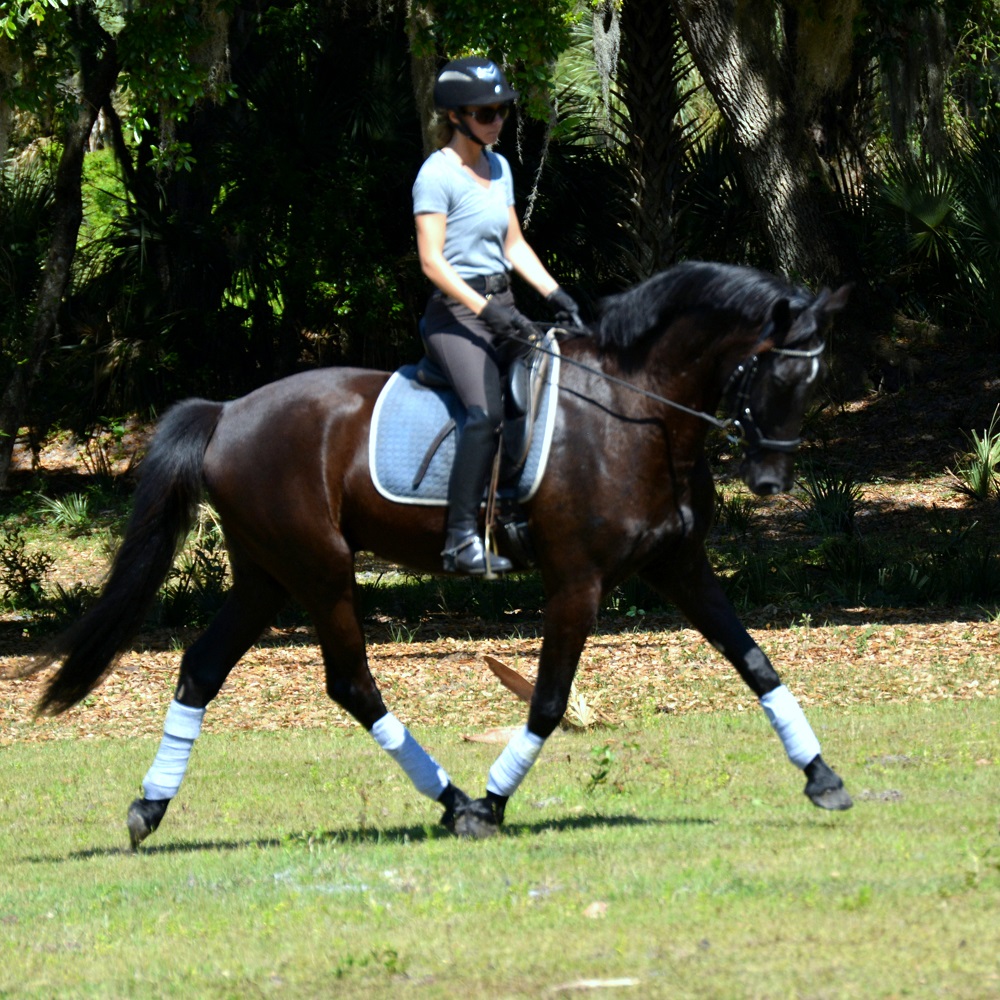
468	239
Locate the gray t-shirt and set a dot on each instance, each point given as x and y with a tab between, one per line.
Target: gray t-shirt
477	216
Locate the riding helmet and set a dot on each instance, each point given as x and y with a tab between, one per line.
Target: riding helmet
471	81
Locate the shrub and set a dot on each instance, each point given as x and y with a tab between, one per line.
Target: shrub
22	573
197	584
832	501
977	476
71	512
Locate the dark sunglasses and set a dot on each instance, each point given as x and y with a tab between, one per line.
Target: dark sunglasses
486	116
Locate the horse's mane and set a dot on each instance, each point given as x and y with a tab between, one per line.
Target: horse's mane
626	318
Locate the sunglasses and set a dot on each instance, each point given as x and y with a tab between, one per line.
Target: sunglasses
486	116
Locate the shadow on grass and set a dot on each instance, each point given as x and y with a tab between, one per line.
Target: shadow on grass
569	823
361	836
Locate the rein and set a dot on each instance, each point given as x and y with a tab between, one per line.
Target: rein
745	373
714	421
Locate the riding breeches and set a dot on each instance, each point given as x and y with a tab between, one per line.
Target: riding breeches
465	349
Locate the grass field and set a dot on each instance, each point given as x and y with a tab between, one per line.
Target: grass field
672	857
667	853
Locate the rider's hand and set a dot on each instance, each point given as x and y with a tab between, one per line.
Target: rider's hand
567	312
505	321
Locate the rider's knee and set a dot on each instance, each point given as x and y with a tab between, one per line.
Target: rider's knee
481	421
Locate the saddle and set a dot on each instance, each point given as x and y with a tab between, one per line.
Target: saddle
522	388
417	418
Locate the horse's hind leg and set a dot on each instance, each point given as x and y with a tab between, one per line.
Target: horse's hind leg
349	682
701	598
251	604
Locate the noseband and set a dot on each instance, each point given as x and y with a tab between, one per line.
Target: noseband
743	377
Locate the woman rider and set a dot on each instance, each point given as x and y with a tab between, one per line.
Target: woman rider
469	239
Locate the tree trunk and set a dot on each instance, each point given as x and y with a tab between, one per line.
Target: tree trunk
8	67
423	70
733	46
769	87
98	69
650	85
915	76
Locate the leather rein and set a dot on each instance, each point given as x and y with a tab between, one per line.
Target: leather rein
742	421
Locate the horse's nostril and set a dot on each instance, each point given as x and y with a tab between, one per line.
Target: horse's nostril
766	485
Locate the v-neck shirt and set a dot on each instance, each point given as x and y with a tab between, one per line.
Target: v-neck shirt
476	214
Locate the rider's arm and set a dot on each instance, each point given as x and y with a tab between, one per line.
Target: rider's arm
431	227
525	261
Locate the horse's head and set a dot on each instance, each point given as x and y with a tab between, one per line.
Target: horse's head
775	386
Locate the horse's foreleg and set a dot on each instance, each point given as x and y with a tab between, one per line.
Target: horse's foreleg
569	618
701	598
249	606
349	682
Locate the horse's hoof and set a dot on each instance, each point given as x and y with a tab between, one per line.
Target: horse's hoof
832	798
477	819
453	799
824	786
144	817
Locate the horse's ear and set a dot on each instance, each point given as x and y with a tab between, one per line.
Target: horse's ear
781	317
838	299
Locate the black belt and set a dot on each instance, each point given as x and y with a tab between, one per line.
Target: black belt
489	284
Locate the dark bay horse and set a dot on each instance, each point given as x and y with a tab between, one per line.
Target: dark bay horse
627	490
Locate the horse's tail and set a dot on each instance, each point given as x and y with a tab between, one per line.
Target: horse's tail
164	509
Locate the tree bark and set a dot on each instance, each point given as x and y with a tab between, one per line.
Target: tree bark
768	83
650	85
733	46
8	67
97	71
423	71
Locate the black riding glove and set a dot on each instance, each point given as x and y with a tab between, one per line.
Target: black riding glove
567	312
505	321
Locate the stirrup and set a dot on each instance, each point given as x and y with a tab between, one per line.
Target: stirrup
469	556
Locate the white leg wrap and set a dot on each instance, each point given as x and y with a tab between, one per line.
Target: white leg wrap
427	775
514	763
180	730
791	725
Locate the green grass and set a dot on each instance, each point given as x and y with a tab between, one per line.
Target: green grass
301	864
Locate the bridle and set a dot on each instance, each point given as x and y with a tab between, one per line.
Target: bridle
743	377
743	422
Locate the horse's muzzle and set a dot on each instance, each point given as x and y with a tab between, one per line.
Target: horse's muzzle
768	473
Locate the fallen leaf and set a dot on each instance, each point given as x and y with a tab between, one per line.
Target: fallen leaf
502	735
510	678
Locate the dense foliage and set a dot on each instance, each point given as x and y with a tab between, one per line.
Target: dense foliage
247	183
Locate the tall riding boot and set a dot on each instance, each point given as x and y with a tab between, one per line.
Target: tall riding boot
464	551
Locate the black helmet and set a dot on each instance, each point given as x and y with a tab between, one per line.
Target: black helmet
472	80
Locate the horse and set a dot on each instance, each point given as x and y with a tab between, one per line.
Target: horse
627	490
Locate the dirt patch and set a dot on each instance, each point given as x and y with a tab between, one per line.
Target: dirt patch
897	445
854	660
